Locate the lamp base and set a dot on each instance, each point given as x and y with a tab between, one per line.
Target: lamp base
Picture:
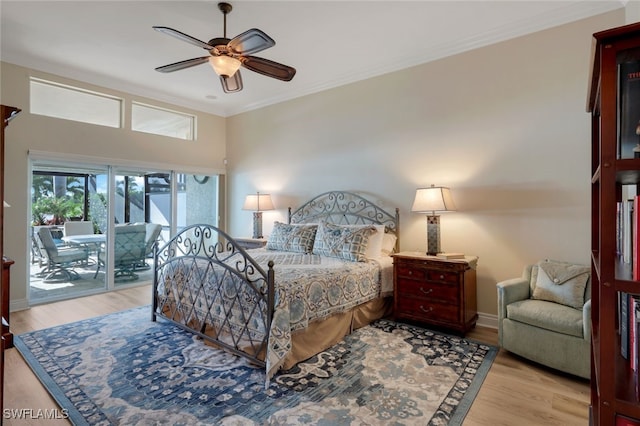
433	235
257	224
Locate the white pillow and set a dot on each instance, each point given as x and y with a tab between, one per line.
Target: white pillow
562	283
388	244
374	248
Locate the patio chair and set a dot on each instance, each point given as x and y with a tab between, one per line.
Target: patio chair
128	250
60	261
152	232
78	227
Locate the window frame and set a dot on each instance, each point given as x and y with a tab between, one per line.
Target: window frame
80	90
191	117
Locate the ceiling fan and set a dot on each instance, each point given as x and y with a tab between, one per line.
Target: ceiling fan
226	56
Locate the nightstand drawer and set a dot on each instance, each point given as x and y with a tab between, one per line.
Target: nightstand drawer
443	276
408	270
427	310
423	289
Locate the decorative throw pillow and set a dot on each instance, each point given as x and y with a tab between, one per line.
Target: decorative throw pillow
374	246
296	238
344	242
561	282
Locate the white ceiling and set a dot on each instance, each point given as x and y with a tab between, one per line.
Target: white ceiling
330	43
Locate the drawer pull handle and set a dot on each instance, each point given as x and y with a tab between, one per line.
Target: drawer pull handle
442	277
426	310
410	272
428	291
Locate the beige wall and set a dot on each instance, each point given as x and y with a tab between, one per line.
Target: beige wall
504	126
67	139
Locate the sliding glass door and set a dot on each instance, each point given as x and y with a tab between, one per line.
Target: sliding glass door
68	223
122	213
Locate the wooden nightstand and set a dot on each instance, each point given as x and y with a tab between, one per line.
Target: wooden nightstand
435	291
251	243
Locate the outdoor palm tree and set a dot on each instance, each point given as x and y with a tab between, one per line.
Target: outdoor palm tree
56	198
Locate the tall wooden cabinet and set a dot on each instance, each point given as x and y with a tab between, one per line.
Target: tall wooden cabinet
7	113
614	104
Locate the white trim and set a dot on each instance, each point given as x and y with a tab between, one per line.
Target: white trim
487	320
18	305
120	162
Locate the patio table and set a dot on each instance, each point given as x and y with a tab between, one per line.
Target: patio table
90	242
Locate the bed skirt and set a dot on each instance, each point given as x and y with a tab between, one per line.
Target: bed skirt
321	335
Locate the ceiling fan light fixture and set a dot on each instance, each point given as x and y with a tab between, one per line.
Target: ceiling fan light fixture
226	56
224	66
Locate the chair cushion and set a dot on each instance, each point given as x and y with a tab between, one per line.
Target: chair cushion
66	255
560	282
547	315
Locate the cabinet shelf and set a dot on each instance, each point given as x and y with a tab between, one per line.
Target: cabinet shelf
629	409
613	102
624	273
628	171
627	388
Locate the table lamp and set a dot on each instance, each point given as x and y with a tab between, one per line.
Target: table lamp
258	203
431	200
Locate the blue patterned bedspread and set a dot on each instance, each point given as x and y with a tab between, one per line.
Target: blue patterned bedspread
307	288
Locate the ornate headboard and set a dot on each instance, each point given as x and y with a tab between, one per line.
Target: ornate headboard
346	208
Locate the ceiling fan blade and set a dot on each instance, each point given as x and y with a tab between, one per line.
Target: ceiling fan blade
184	37
183	64
268	68
250	42
231	84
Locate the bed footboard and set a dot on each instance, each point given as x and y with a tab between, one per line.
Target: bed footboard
206	283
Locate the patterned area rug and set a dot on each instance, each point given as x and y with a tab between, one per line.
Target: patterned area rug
123	369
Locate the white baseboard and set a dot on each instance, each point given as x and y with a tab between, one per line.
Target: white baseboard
18	305
487	320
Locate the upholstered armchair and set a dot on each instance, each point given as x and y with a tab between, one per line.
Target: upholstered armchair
545	316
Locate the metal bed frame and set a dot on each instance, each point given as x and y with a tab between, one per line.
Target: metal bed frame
228	268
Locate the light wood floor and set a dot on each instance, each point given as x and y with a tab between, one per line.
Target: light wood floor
515	391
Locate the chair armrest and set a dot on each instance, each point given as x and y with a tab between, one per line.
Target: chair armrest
510	291
586	321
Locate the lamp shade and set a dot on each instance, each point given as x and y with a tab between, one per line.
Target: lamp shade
224	65
258	202
433	199
6	204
